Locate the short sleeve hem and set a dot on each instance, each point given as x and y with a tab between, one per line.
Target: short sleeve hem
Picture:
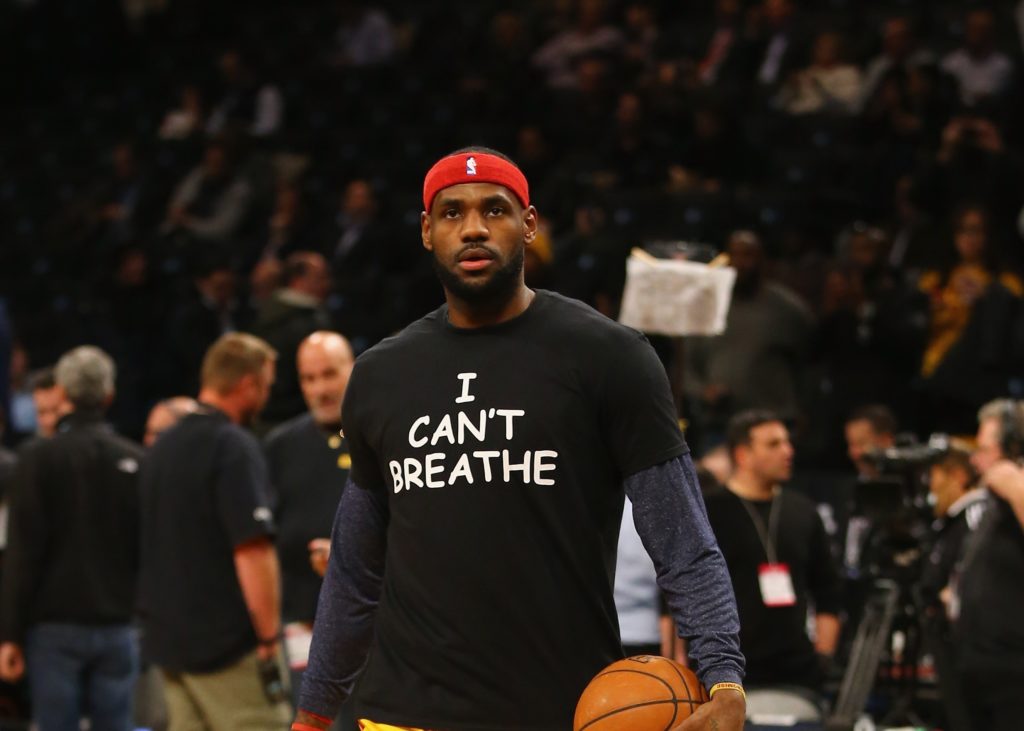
240	539
641	463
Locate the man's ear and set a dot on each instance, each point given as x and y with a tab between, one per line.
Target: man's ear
425	231
529	224
246	382
739	454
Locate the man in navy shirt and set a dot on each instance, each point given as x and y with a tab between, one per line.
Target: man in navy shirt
210	597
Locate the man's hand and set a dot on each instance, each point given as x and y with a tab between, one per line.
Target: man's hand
1006	480
727	711
267	651
12	662
319	553
827	628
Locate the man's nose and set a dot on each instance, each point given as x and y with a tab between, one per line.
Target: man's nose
474	227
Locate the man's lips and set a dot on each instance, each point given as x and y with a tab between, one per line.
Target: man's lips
472	265
473	260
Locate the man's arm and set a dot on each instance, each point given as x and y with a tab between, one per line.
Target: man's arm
259	576
24	561
343	629
670	517
826	588
667	631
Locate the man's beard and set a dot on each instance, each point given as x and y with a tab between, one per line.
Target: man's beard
327	413
501	285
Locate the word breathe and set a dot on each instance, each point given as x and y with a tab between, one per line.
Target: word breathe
440	469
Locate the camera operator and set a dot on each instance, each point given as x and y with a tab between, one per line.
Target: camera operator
989	631
869	430
958	511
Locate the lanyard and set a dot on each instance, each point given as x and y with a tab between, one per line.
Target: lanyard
766	533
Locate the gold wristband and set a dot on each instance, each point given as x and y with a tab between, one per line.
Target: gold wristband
727	686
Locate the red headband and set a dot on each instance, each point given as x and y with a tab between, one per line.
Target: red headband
474	167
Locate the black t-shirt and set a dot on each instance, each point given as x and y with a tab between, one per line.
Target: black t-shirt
502	451
205	491
774	639
308	469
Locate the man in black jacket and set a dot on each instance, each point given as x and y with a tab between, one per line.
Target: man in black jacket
72	560
989	633
294	312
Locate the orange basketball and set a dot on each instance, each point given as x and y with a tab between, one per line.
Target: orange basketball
642	693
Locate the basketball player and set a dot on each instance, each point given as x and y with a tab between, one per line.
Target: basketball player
491	442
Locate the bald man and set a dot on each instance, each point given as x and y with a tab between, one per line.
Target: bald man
309	465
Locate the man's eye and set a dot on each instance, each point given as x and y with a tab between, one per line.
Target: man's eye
450	213
496	211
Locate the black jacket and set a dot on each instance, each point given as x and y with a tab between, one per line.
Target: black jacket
308	469
951	533
990	636
73	544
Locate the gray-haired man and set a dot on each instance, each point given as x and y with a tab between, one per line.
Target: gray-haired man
72	560
989	633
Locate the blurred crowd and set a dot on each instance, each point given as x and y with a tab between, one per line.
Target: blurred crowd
183	170
192	171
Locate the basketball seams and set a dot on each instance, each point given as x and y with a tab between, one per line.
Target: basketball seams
661	680
675	701
689	696
645	704
690	700
665	679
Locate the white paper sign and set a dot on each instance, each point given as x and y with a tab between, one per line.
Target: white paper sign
676	297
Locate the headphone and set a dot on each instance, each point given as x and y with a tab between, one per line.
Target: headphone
1011	429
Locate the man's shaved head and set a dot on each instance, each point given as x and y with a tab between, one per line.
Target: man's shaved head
324	362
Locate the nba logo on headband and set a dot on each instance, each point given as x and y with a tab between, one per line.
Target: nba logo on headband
476	167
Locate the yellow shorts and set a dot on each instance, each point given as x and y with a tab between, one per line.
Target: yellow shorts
371	726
